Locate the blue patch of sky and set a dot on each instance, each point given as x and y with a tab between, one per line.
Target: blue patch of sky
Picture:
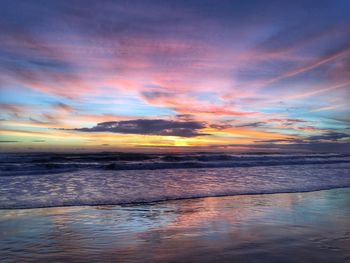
21	95
206	96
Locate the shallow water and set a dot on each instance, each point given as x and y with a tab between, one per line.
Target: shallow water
91	186
296	227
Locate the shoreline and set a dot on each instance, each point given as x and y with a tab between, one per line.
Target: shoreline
176	199
284	227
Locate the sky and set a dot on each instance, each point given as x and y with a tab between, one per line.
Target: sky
152	76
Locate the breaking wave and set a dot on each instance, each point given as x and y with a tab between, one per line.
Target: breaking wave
31	180
38	164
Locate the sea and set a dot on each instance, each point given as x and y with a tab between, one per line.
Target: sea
37	180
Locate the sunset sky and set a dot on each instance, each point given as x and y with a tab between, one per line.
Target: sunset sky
175	75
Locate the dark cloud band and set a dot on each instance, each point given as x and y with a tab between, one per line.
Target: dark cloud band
150	127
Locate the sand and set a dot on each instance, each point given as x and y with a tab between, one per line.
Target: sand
296	227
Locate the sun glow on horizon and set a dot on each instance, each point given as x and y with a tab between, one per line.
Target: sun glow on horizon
175	75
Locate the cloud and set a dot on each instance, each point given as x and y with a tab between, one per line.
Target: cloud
183	61
294	124
251	125
38	141
63	107
290	140
330	136
307	128
220	126
287	121
46	119
185	117
336	147
12	108
190	105
327	137
149	127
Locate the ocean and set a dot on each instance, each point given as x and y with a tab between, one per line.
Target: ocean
36	180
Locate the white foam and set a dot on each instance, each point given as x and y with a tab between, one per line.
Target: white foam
91	187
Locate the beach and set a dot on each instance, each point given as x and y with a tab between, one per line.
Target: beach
288	227
174	131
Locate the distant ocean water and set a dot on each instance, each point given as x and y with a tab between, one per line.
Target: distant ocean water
31	180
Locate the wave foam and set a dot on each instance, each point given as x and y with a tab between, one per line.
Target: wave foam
94	187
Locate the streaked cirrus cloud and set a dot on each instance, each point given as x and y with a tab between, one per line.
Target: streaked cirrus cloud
250	70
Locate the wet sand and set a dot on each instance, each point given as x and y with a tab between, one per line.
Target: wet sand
296	227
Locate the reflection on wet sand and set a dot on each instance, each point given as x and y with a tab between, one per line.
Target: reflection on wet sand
298	227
